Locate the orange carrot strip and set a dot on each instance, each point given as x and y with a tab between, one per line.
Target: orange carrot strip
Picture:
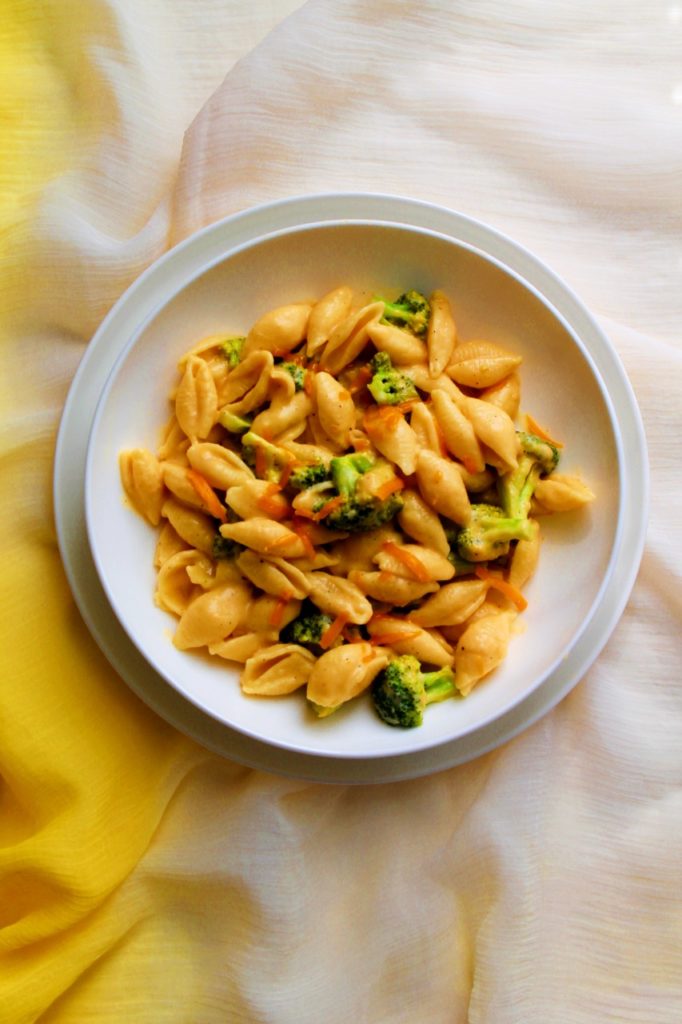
396	484
277	613
361	444
386	639
286	473
300	530
469	465
332	632
535	428
381	415
207	495
280	542
328	508
503	586
305	513
261	466
410	561
309	382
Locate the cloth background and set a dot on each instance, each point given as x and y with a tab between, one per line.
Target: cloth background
144	879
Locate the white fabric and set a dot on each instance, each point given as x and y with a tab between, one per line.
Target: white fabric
540	884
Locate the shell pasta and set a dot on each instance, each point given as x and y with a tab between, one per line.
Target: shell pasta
347	504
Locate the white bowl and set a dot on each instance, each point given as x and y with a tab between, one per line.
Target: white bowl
560	385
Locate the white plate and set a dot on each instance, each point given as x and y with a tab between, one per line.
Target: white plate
151	292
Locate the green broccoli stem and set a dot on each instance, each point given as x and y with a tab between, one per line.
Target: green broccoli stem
438	685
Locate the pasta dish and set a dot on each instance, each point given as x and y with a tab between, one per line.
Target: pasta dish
347	504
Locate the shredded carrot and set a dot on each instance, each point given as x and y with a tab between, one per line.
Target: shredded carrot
381	415
301	532
386	639
406	406
207	495
332	632
469	465
328	508
503	586
305	513
535	428
286	473
441	438
280	542
277	613
396	484
309	382
410	561
261	466
369	657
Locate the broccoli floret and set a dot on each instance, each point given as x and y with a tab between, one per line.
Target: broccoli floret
401	691
388	386
515	489
411	310
231	348
489	533
307	628
307	476
346	470
297	373
235	424
358	512
223	547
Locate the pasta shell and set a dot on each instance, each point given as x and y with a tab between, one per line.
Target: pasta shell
349	337
423	381
142	481
441	335
436	566
246	387
196	399
210	617
174	588
396	591
167	545
329	311
427	429
265	536
256	498
506	395
335	408
480	649
178	483
239	648
277	577
481	364
174	442
279	330
495	429
195	528
264	609
525	558
561	492
420	522
338	596
220	466
442	487
452	604
343	673
277	670
403	347
458	431
282	415
407	638
359	550
394	438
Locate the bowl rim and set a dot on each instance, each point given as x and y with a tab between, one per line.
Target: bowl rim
421	742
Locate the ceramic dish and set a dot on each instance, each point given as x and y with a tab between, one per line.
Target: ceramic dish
191	270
